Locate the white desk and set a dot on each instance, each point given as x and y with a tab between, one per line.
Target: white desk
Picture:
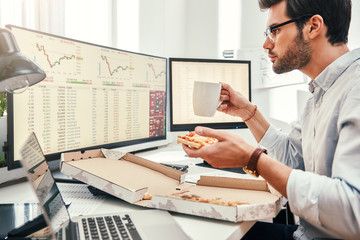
197	228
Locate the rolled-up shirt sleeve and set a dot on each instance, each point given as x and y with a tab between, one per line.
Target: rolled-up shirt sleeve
286	148
327	202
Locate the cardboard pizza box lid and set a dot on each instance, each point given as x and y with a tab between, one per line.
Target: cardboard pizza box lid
130	177
229	199
238	183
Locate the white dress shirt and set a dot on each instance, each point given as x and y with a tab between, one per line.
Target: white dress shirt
324	148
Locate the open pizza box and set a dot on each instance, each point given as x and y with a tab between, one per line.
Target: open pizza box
143	182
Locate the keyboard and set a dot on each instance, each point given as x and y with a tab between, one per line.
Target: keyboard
110	227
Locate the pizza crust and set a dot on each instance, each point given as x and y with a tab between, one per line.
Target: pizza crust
189	143
196	141
147	196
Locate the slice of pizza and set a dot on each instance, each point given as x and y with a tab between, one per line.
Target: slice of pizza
195	140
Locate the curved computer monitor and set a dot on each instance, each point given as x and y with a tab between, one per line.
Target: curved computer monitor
92	97
184	71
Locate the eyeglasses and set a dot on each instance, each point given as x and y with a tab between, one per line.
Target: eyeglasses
272	31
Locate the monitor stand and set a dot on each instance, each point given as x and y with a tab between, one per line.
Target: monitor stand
60	177
235	170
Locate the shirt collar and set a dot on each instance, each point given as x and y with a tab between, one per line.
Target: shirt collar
311	86
332	72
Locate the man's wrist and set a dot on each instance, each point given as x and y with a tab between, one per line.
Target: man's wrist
251	114
251	167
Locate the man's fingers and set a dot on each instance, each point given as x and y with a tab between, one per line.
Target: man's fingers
225	86
208	132
224	97
191	152
222	107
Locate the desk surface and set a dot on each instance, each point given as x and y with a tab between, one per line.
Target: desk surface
195	227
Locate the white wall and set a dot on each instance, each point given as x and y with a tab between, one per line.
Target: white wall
253	24
202	28
152	26
178	28
191	28
354	33
194	28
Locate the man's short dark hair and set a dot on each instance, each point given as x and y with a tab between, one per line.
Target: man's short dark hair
336	15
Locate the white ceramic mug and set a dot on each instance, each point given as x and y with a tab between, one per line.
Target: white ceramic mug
206	98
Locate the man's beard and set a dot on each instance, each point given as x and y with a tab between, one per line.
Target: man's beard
297	56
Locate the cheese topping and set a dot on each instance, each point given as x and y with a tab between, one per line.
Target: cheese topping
193	137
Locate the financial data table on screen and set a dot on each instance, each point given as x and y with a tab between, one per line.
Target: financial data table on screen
92	95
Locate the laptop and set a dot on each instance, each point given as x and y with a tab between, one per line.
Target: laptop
144	224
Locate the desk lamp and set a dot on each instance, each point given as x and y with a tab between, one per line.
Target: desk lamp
17	72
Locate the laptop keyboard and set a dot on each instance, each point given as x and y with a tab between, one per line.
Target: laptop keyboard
110	227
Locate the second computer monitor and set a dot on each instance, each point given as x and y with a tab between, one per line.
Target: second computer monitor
183	73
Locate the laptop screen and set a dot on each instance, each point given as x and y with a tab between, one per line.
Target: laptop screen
148	224
40	177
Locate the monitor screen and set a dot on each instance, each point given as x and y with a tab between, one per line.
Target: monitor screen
92	97
183	73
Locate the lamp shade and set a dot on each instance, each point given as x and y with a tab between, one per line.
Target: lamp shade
16	71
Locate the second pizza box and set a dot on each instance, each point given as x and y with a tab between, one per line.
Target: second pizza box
143	182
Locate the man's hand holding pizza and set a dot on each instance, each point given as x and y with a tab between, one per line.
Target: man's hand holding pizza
228	151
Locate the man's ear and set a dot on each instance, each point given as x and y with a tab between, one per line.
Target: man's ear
314	27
